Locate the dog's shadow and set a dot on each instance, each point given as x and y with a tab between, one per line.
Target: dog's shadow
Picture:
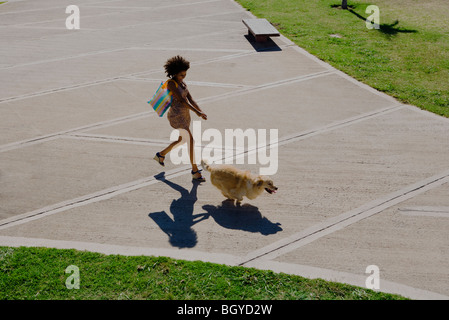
244	217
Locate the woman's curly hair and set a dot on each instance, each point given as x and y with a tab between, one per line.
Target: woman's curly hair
175	65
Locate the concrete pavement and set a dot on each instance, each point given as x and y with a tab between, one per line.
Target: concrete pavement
363	179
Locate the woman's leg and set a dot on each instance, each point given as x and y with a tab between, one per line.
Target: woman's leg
183	138
171	146
191	145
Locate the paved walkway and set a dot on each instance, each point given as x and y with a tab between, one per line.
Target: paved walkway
363	179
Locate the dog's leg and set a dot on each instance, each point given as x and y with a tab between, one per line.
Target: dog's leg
239	199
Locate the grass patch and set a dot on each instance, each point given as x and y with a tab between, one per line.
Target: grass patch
407	58
39	274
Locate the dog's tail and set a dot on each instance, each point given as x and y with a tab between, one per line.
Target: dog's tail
205	164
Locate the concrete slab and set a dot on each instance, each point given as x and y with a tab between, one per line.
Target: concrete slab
147	4
65	110
62	169
92	108
55	15
259	107
176	223
220	40
15	35
407	249
271	66
366	174
79	71
114	15
347	177
14	6
77	138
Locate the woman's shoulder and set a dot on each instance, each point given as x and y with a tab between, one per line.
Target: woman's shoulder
171	82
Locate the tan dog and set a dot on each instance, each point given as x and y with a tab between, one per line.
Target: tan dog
234	183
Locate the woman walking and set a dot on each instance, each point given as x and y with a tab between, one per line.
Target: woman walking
179	112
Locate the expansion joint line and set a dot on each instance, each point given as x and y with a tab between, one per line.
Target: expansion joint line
331	225
138	184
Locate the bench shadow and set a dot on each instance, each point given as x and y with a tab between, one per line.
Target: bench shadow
245	217
268	45
179	229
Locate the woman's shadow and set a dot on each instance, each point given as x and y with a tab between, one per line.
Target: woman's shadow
245	217
179	229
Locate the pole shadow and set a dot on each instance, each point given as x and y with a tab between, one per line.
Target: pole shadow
387	29
245	217
179	229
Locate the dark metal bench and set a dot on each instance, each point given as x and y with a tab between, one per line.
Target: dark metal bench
261	29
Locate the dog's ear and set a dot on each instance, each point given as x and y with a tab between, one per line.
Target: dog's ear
259	181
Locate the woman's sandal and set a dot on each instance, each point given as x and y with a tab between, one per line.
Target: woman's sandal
200	178
158	157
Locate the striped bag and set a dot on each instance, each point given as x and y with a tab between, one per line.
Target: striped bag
162	99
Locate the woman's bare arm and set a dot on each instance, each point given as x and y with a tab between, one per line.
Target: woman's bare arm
202	115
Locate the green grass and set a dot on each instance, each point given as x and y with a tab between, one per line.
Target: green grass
407	58
39	274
